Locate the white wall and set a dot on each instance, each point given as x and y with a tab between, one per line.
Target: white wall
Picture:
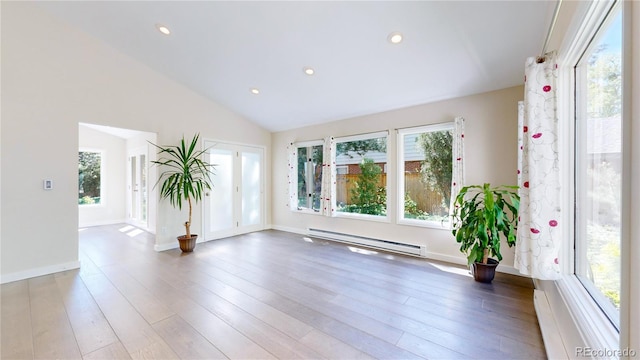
54	77
111	209
491	121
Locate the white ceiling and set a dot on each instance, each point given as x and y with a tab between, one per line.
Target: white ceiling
223	49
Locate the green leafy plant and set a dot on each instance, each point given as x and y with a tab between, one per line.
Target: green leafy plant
480	215
368	197
186	177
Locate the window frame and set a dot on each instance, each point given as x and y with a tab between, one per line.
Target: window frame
378	218
449	125
579	167
593	325
102	172
309	176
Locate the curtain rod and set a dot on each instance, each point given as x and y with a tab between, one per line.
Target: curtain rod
550	32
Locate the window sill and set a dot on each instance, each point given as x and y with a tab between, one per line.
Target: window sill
306	211
425	224
376	218
598	333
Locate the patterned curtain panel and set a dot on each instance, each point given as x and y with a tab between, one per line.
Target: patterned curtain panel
457	168
539	230
292	176
328	189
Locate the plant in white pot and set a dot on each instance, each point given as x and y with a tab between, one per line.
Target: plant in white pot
481	214
185	178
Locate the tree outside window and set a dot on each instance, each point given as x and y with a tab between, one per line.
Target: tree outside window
426	172
361	189
89	164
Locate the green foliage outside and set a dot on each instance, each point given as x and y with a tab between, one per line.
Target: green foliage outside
604	84
436	169
361	147
368	197
412	211
604	93
88	177
603	231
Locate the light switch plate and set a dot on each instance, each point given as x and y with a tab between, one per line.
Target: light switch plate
47	184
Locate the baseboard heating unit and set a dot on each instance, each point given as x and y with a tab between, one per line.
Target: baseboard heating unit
395	246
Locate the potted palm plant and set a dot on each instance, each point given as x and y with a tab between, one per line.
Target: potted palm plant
481	214
185	178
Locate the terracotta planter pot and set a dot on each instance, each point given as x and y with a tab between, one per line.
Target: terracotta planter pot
187	244
485	272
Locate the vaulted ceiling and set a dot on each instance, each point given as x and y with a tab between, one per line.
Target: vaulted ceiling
225	49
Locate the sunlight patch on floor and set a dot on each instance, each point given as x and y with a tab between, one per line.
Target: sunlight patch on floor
126	228
452	269
362	251
307	239
134	232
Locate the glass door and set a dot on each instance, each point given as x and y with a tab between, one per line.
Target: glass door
235	204
137	194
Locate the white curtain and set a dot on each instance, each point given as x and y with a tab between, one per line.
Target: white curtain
539	230
457	176
292	176
328	190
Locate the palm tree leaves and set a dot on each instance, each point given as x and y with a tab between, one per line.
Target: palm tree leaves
185	176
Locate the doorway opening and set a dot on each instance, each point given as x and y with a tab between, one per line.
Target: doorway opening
125	194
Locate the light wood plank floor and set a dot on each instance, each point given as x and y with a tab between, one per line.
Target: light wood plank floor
263	295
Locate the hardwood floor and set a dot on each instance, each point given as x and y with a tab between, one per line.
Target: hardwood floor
263	295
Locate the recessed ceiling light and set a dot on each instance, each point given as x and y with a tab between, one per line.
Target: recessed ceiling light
255	91
395	38
309	71
163	29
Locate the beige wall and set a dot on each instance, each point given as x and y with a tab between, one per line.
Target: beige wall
54	77
491	121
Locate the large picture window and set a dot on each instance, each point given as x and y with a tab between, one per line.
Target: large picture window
89	177
361	183
598	166
425	174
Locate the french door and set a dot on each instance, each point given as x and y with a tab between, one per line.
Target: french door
137	189
235	205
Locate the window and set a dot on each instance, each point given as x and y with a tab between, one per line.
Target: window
89	178
425	174
598	166
309	159
362	187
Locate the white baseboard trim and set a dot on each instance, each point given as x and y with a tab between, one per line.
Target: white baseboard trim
174	245
45	270
289	229
165	247
551	336
447	258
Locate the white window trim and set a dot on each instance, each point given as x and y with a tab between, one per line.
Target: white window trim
377	218
305	144
593	325
400	175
